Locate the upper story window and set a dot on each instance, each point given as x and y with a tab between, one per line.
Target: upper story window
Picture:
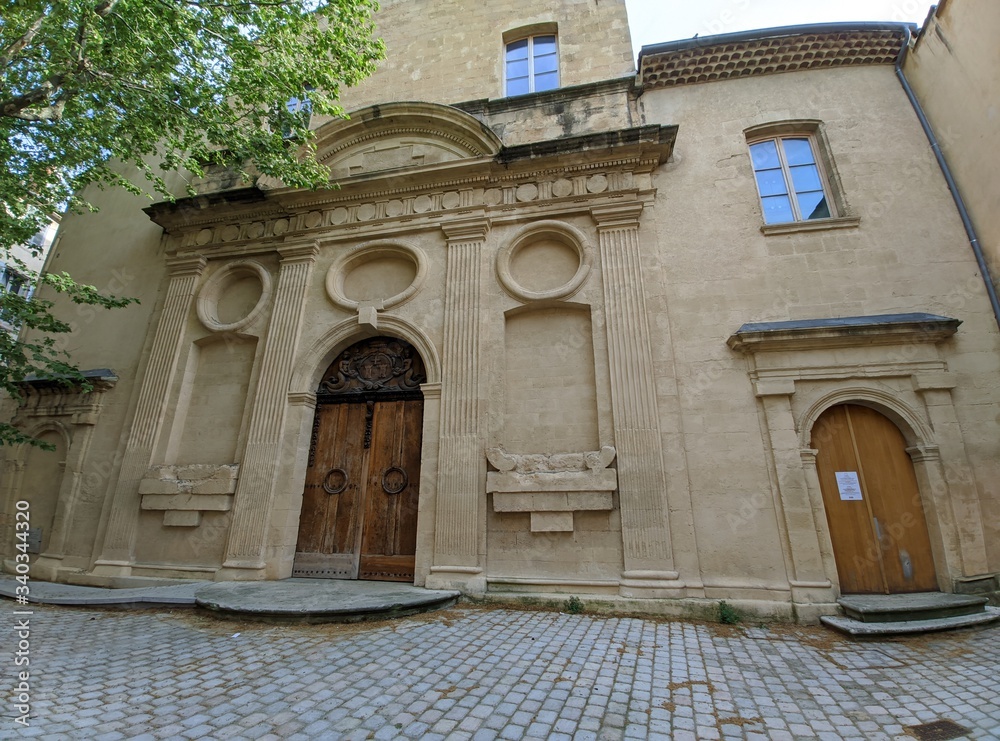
13	282
531	65
300	109
790	181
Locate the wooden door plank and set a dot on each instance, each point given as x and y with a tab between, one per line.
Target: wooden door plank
315	502
386	568
375	540
408	499
389	541
854	547
342	529
895	501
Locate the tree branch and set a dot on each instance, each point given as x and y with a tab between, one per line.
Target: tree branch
104	8
15	107
14	49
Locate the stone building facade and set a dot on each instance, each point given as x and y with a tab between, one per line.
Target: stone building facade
655	339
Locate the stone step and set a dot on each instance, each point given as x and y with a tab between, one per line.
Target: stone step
895	608
861	629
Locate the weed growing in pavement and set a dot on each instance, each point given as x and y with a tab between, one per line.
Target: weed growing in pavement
728	615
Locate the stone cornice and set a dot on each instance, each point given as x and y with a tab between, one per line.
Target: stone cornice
886	329
768	51
578	170
493	106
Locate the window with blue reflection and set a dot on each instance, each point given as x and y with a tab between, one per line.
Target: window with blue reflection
789	180
531	65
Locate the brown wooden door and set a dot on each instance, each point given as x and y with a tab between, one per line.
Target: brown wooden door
359	507
872	503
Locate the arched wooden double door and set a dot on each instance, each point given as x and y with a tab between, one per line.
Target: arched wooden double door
359	507
872	503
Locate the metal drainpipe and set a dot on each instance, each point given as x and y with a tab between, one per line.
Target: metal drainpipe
970	230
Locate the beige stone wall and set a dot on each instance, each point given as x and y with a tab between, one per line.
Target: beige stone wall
711	270
564	302
955	71
452	50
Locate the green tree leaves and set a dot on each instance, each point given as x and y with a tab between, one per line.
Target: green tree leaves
158	85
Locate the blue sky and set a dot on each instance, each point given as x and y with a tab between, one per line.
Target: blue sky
656	21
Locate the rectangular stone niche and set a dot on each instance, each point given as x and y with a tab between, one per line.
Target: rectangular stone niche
549	489
182	493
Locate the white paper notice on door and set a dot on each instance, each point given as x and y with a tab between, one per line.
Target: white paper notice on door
848	485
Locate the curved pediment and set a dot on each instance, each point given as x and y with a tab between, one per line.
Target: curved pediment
401	135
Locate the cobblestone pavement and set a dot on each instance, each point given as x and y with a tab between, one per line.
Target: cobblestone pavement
486	673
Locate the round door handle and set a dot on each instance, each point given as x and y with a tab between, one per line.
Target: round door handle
394	480
335	481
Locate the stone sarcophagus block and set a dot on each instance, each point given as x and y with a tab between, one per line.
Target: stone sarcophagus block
552	487
182	493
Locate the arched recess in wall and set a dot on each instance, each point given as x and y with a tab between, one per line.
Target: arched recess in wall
213	393
874	510
42	478
910	425
317	358
550	387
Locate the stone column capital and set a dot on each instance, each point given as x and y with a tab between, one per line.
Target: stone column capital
617	215
186	265
921	453
774	387
300	252
469	229
940	381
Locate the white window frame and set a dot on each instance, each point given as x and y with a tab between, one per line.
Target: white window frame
818	160
531	61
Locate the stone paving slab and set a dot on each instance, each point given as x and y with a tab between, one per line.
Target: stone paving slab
319	599
478	673
903	627
310	599
49	593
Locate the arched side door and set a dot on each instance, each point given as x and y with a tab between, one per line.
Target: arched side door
872	503
359	507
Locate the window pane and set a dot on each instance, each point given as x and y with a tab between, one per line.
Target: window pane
517	86
806	177
813	205
798	152
517	69
764	155
548	81
771	183
777	209
517	50
547	63
545	45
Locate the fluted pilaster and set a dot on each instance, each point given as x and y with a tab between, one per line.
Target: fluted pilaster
461	457
641	478
261	457
147	422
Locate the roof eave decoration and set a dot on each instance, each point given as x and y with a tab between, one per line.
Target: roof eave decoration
768	51
852	331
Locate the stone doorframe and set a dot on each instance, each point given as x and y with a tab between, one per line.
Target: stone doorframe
306	377
72	414
891	363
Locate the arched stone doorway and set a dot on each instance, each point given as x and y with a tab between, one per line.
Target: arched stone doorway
872	502
359	506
